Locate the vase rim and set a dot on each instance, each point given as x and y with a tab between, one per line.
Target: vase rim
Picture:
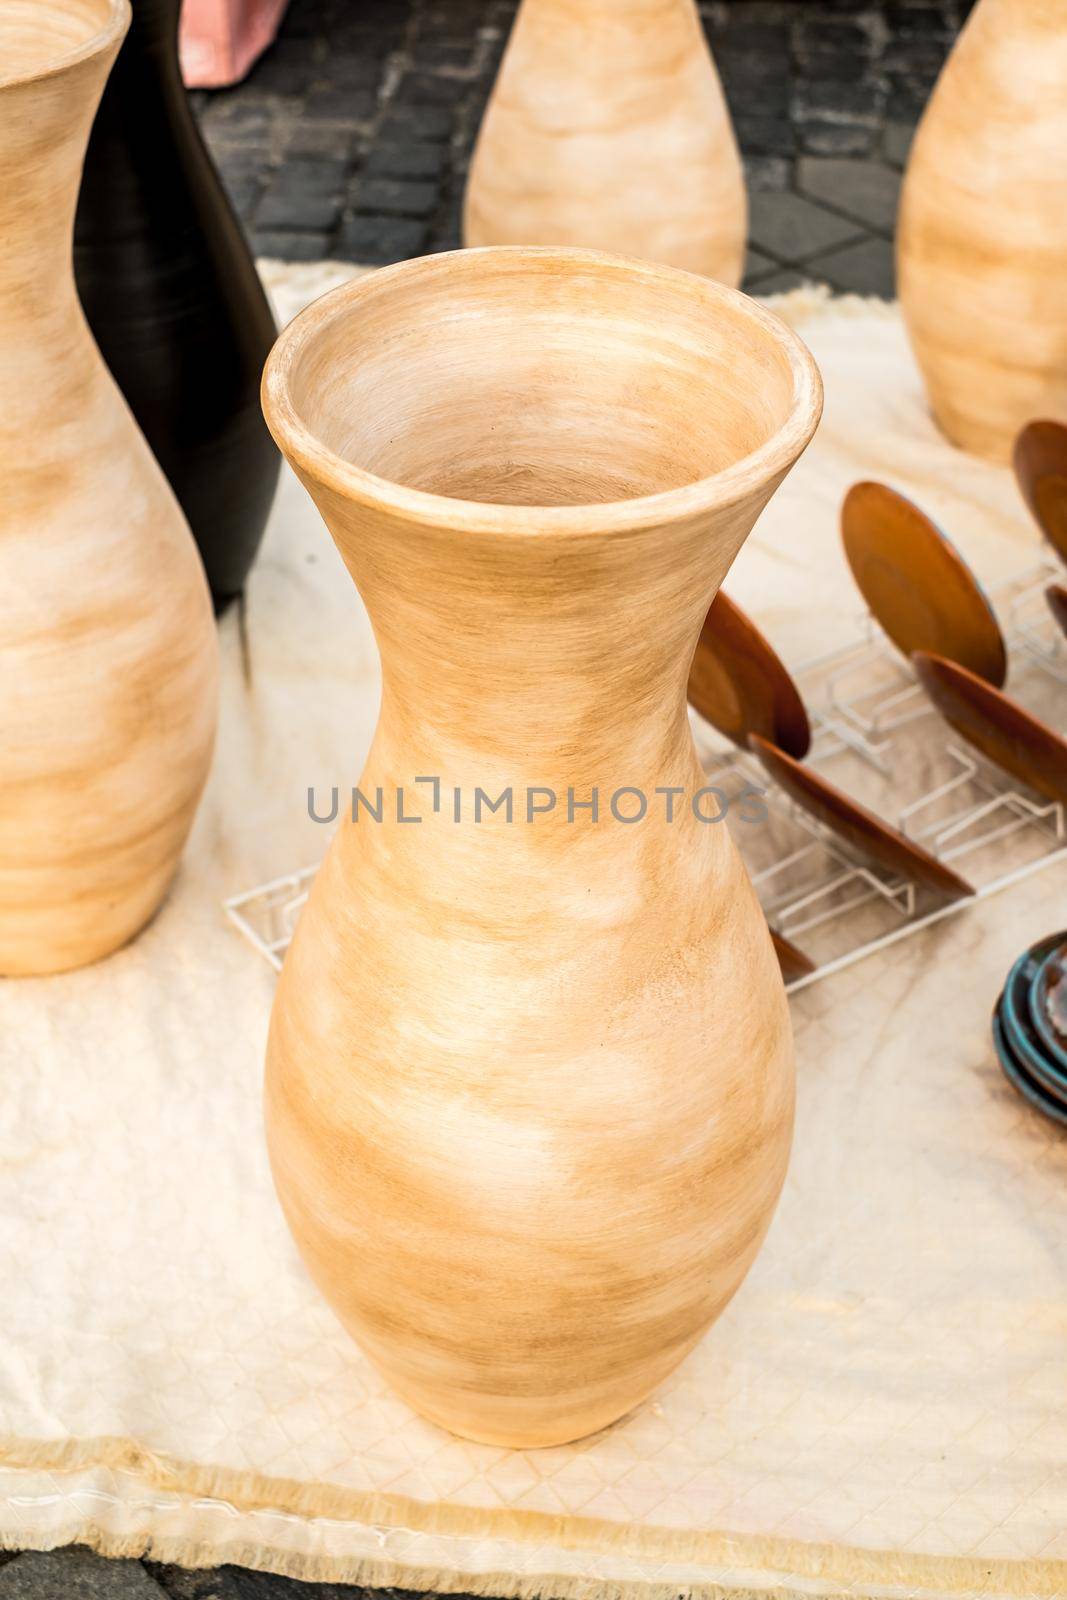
716	491
112	31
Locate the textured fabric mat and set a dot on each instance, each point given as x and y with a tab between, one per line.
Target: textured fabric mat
881	1411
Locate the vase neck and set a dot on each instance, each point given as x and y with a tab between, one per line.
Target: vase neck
44	132
562	658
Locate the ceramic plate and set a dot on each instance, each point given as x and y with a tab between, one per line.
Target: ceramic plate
1018	1026
998	727
1020	1079
1040	461
916	585
1048	1003
866	833
739	684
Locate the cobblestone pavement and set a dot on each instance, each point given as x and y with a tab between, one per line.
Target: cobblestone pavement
351	137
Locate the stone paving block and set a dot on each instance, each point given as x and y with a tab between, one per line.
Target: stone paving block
75	1574
757	265
862	268
412	159
377	241
792	228
431	123
767	172
780	282
305	195
822	136
896	142
866	190
282	245
763	135
396	197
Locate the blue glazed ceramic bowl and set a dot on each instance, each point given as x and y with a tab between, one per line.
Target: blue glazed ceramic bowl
1021	1080
1017	1021
1048	1000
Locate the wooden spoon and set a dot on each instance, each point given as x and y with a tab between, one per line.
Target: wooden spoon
1056	595
857	826
1040	462
1012	738
916	585
792	960
740	685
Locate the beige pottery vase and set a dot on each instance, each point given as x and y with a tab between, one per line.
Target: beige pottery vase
608	128
530	1081
108	656
982	241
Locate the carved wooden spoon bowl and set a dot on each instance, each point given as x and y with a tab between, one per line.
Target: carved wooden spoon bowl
1040	462
740	685
1010	737
867	834
1056	595
792	960
917	586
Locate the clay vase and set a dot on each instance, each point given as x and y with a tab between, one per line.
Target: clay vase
529	1085
174	300
108	656
607	128
982	237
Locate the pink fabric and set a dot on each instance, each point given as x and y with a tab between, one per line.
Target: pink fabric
220	39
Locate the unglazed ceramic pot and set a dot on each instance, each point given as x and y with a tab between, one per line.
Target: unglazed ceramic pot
108	657
530	1083
982	237
608	128
172	295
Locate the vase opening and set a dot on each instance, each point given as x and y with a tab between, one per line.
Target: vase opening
549	379
39	36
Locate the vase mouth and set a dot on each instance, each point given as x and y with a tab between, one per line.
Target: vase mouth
46	37
456	389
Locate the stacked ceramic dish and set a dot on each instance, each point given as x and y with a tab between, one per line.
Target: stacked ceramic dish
1030	1026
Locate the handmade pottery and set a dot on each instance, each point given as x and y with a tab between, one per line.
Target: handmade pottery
865	833
738	683
1016	1018
108	657
1040	461
608	128
917	586
1002	730
1056	595
792	960
982	230
529	1082
174	300
1048	1002
1020	1079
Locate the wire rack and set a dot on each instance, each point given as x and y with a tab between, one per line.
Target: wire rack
876	735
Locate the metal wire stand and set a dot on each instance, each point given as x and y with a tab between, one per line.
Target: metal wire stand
865	698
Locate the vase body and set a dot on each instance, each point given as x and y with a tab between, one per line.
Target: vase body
608	128
108	669
982	238
174	300
529	1083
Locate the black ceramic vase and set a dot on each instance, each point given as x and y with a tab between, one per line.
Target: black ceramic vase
172	295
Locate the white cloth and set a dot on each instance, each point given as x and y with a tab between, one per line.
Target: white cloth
880	1411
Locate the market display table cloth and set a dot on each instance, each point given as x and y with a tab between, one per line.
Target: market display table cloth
881	1411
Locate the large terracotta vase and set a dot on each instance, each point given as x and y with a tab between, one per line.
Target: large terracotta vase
108	657
982	241
530	1079
172	295
608	128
